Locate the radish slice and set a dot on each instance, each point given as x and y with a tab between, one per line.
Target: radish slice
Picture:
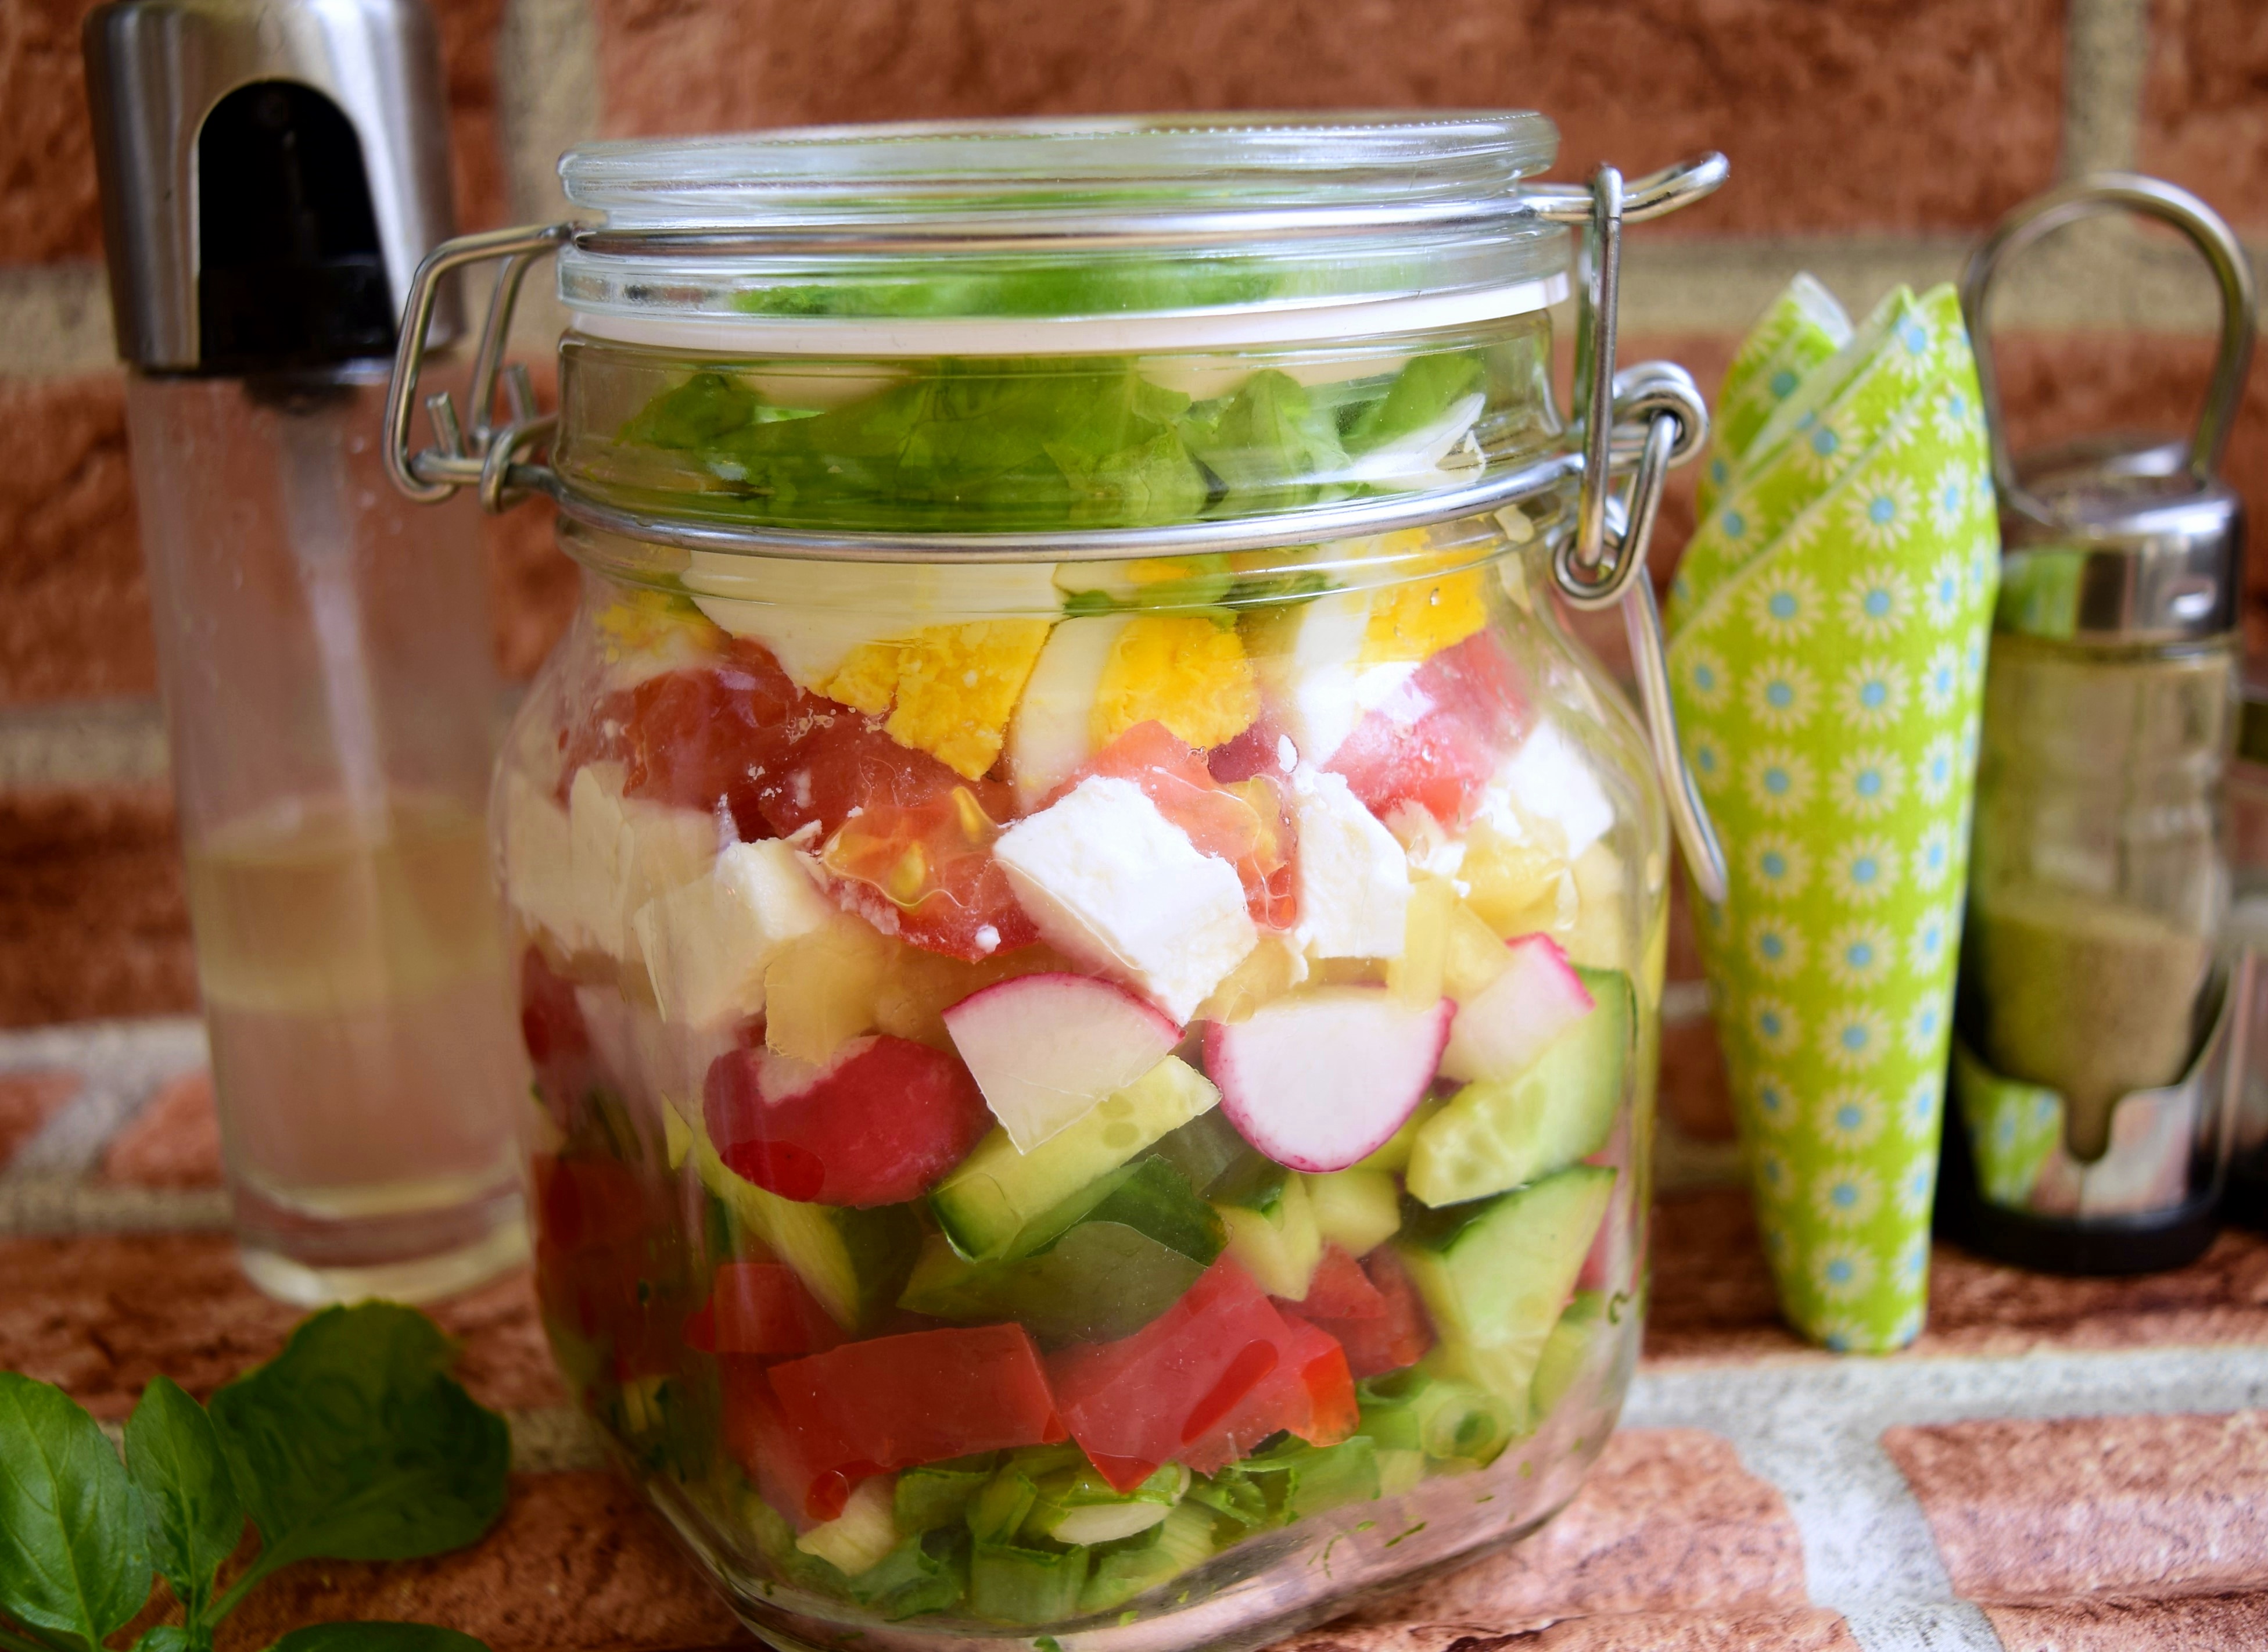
1505	1025
1046	1049
1318	1079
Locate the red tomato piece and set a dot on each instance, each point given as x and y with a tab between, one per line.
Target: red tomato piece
558	1040
1340	1290
805	1477
585	1204
1243	822
1393	1337
1439	737
878	1124
915	859
760	1308
1204	1382
1310	1389
892	1403
595	1273
1259	749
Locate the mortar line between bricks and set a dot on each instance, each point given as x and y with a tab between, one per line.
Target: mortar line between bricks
1814	1430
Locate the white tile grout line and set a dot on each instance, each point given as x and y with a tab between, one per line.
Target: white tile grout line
120	1065
1814	1430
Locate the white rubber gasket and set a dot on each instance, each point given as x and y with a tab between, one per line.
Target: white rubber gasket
1075	335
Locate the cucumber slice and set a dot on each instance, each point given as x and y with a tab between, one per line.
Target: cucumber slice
859	1537
854	1261
1495	1273
996	1190
1435	1416
1504	1132
1393	1154
1281	1249
1138	1240
1567	1350
1077	1506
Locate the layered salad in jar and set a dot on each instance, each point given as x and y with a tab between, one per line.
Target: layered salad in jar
1056	1079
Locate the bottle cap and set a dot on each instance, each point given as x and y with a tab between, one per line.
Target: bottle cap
272	172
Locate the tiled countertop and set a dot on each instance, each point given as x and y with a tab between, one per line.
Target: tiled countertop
2070	1465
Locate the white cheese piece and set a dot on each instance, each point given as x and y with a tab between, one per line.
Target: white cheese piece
1550	778
707	943
1113	882
1312	666
1354	882
538	861
624	852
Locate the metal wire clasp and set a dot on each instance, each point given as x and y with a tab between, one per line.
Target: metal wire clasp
488	455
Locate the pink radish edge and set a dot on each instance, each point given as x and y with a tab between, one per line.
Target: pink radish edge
1288	1127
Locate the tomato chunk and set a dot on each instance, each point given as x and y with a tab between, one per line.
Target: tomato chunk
760	1308
1439	737
807	1479
880	1124
893	1402
1393	1334
1203	1382
596	1274
1339	1290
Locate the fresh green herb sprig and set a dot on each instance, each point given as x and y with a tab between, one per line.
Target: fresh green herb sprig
353	1444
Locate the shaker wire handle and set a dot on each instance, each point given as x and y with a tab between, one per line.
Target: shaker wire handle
2147	197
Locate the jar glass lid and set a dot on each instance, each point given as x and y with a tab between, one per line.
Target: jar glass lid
1265	223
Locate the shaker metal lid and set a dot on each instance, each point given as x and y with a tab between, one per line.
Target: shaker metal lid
272	172
2121	539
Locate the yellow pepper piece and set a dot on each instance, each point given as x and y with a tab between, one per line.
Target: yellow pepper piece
1184	670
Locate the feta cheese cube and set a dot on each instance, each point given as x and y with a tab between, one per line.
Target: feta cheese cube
1354	881
1549	780
708	942
1115	884
538	861
624	852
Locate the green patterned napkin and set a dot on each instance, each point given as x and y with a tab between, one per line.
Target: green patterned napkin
1828	659
1804	326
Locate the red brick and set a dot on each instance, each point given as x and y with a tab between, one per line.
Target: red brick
74	607
2215	1623
49	208
93	917
577	1561
174	1141
1841	116
1694	1090
100	1316
27	1101
2030	1510
1668	1521
2205	103
2054	386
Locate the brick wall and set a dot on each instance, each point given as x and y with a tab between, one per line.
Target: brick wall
1871	140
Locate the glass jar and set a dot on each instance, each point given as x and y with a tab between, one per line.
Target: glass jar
1094	1027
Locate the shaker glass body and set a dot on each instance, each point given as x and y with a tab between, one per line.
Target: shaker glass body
2100	880
324	653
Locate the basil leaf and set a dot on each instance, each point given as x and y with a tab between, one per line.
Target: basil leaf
194	1518
1426	389
72	1559
171	1637
355	1444
377	1637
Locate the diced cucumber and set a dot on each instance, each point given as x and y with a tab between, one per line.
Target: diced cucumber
1502	1134
1011	1583
854	1261
1567	1350
929	1572
1139	1240
1281	1249
1394	1154
938	1494
1182	1540
1356	1210
1494	1275
1204	1150
862	1534
985	1203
